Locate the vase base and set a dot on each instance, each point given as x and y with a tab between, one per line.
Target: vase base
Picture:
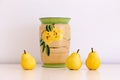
62	65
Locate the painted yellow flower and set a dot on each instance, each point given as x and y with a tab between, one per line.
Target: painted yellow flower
57	34
47	37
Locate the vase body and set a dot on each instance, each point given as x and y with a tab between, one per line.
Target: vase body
54	41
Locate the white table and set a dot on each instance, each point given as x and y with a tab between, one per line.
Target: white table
15	72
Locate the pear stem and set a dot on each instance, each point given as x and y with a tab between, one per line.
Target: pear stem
92	49
24	51
78	50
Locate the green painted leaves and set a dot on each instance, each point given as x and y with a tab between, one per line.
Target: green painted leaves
49	28
45	47
42	42
47	50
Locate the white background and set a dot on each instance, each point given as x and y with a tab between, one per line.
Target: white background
94	23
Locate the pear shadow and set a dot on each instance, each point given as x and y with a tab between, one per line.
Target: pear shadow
28	75
73	75
92	75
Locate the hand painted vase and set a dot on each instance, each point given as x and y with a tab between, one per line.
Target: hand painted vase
54	41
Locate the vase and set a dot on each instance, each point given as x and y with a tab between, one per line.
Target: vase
54	41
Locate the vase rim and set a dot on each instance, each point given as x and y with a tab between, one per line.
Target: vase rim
54	20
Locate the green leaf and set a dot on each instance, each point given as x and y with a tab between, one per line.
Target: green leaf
47	50
43	47
41	40
50	27
47	28
41	43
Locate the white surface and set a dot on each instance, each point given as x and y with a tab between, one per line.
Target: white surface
15	72
94	23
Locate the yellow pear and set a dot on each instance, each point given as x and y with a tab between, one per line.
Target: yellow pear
27	61
93	60
74	62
